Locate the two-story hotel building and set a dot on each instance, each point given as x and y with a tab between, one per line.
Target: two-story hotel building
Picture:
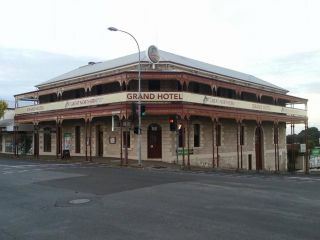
195	113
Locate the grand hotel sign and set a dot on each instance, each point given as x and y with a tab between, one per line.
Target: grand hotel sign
159	97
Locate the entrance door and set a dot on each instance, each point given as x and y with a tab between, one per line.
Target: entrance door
154	141
99	141
259	148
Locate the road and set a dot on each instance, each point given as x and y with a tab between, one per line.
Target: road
50	200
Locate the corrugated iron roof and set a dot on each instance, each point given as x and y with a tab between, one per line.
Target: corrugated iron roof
164	57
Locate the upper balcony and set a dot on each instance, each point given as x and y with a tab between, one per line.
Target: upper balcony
160	97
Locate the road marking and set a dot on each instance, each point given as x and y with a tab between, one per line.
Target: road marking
305	178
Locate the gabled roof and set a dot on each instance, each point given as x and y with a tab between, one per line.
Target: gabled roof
165	57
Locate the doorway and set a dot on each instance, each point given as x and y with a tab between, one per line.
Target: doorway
259	148
154	141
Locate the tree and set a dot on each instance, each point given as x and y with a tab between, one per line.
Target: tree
3	107
313	137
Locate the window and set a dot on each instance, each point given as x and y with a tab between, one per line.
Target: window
0	142
47	140
154	85
196	87
196	135
275	135
242	135
181	135
126	139
77	139
9	144
218	135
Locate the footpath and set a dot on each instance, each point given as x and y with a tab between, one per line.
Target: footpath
148	164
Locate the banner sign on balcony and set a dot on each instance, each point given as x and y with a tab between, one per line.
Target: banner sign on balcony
160	97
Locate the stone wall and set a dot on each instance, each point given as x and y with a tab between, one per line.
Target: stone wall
202	155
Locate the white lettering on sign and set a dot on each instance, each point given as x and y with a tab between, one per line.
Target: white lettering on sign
36	108
160	96
83	102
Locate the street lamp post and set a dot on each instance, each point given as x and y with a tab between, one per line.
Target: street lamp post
139	91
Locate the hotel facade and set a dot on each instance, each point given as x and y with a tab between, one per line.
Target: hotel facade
193	114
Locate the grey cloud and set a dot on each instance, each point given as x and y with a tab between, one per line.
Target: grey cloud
20	70
303	65
308	87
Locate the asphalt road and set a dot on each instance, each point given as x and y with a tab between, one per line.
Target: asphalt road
36	202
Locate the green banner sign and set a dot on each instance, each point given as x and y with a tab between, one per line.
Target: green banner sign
185	151
315	152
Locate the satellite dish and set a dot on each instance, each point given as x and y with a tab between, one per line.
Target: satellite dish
153	54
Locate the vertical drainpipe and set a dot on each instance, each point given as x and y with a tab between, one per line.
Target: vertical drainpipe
86	136
213	128
183	142
241	157
306	153
90	140
121	141
278	154
188	142
275	146
57	138
126	137
238	157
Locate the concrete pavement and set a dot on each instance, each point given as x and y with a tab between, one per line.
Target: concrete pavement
149	203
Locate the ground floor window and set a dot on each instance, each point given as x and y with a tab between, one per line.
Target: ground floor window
275	135
242	135
218	135
9	144
0	142
126	139
181	137
77	139
196	135
47	140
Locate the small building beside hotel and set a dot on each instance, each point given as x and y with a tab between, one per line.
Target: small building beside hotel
193	113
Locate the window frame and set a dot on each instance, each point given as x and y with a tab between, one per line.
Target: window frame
47	139
125	140
196	135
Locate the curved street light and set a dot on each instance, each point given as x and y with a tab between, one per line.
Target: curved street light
139	91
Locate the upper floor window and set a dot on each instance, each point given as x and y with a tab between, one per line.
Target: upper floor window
227	93
154	85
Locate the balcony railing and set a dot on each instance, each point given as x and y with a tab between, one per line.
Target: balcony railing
160	97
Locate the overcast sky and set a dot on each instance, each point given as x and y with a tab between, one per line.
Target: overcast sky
276	40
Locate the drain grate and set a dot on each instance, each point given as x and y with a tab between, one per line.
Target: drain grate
158	167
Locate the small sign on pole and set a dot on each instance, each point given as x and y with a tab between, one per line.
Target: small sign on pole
303	148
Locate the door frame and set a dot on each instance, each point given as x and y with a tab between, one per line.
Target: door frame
158	152
258	141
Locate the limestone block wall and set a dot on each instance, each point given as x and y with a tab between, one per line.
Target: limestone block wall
202	155
283	147
228	148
